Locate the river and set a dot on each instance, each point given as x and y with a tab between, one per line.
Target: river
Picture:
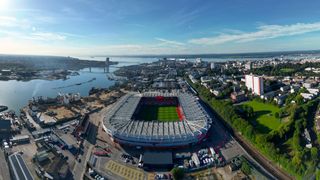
16	94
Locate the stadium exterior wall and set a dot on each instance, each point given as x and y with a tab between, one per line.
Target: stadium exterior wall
155	142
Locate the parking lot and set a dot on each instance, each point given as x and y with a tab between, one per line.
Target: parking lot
124	171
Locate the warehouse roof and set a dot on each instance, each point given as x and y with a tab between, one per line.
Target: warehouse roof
19	168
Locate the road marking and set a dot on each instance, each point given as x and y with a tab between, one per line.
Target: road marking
124	171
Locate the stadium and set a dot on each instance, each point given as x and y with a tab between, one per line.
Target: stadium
157	119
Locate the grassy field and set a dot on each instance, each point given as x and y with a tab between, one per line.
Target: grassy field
264	116
287	70
160	113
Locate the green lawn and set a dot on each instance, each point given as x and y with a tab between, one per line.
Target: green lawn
264	116
287	70
160	113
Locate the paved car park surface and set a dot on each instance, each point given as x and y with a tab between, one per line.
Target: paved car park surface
4	169
124	171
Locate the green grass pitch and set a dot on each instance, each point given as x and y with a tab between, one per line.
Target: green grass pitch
160	113
265	115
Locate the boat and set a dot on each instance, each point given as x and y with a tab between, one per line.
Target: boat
3	108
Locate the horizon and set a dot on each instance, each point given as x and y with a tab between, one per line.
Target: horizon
312	51
87	28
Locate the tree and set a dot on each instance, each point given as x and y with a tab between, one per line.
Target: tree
314	153
249	131
299	99
318	175
177	173
297	159
276	115
248	110
245	167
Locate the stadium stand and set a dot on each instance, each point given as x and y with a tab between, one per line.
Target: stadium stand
121	123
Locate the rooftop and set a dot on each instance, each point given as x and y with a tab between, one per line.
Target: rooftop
196	121
19	168
157	158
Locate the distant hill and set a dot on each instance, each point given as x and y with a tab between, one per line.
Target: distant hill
46	62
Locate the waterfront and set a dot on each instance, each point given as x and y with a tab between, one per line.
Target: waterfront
16	94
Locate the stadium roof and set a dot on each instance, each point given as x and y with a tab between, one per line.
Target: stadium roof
118	121
19	168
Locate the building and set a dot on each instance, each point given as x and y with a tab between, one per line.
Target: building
5	72
313	91
284	88
123	124
65	140
268	95
212	66
5	126
308	85
307	96
195	159
22	139
307	137
248	66
161	160
205	79
255	84
18	168
198	61
67	98
107	61
192	78
280	99
238	97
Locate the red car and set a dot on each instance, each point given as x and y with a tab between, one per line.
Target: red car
107	150
101	153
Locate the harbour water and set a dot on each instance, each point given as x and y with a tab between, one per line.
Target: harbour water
16	94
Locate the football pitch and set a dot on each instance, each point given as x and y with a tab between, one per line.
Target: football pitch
160	113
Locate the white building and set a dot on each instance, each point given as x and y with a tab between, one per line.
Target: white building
248	66
205	79
254	83
313	91
212	66
198	61
307	96
67	98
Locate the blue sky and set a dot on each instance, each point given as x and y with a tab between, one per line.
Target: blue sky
122	27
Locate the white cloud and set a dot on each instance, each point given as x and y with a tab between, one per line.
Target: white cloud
263	32
7	21
47	36
10	45
169	42
13	22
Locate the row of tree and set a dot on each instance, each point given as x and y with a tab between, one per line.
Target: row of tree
287	69
297	162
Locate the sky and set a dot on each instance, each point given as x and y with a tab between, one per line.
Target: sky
139	27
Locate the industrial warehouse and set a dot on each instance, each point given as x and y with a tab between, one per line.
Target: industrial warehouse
169	119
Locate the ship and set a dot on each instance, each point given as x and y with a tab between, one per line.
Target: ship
3	108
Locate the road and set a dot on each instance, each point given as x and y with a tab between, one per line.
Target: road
4	169
88	144
79	168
